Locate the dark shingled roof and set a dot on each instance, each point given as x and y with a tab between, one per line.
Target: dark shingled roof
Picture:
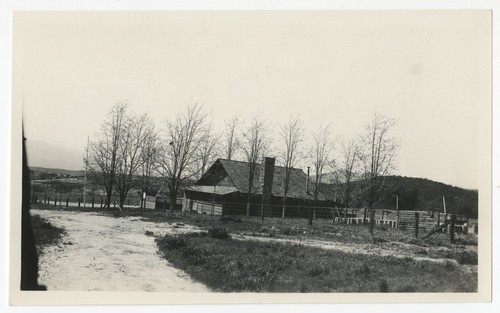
238	173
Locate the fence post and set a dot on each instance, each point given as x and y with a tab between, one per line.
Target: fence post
397	219
452	228
416	224
55	200
79	201
67	200
101	203
92	202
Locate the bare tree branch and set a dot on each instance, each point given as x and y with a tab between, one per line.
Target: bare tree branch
103	151
254	144
231	137
291	135
179	157
377	154
322	159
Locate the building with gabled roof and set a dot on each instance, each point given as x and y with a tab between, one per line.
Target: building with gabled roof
224	189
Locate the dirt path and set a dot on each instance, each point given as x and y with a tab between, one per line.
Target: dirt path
395	249
110	254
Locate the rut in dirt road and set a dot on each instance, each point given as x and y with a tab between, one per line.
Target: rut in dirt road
109	254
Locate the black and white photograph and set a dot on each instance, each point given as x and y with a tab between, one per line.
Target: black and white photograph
214	154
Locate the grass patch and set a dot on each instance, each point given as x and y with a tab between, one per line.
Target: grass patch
249	266
45	233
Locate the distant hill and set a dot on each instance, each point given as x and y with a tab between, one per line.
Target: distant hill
420	193
47	173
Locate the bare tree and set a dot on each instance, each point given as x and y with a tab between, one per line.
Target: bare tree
149	158
209	148
347	171
254	143
130	150
378	156
321	153
291	135
232	141
179	158
103	151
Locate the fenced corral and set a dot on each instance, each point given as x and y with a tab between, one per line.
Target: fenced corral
77	200
163	203
428	221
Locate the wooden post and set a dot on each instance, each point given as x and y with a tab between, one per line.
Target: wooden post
55	200
452	228
372	221
416	224
67	200
79	201
439	219
101	203
92	202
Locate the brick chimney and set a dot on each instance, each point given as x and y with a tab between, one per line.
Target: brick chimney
267	171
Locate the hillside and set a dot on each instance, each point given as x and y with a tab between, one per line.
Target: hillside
37	172
420	193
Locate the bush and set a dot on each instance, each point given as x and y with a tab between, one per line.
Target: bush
467	257
218	233
290	231
171	243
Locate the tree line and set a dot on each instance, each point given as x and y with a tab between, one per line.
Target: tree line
128	145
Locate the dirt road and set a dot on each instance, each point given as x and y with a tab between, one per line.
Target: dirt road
110	254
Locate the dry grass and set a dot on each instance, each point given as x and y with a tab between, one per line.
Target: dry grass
237	266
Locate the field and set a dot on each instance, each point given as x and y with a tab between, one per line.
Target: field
234	254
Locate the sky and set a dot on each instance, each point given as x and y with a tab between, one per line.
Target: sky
429	70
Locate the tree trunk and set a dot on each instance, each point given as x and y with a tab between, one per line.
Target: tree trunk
310	213
122	202
372	221
248	206
284	207
173	201
108	200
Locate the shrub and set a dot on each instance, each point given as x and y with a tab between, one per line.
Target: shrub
218	233
171	243
149	233
467	257
287	230
46	225
378	240
225	219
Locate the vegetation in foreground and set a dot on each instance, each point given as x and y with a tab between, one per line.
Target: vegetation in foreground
229	265
438	245
45	233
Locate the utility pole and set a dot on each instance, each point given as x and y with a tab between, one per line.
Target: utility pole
85	177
